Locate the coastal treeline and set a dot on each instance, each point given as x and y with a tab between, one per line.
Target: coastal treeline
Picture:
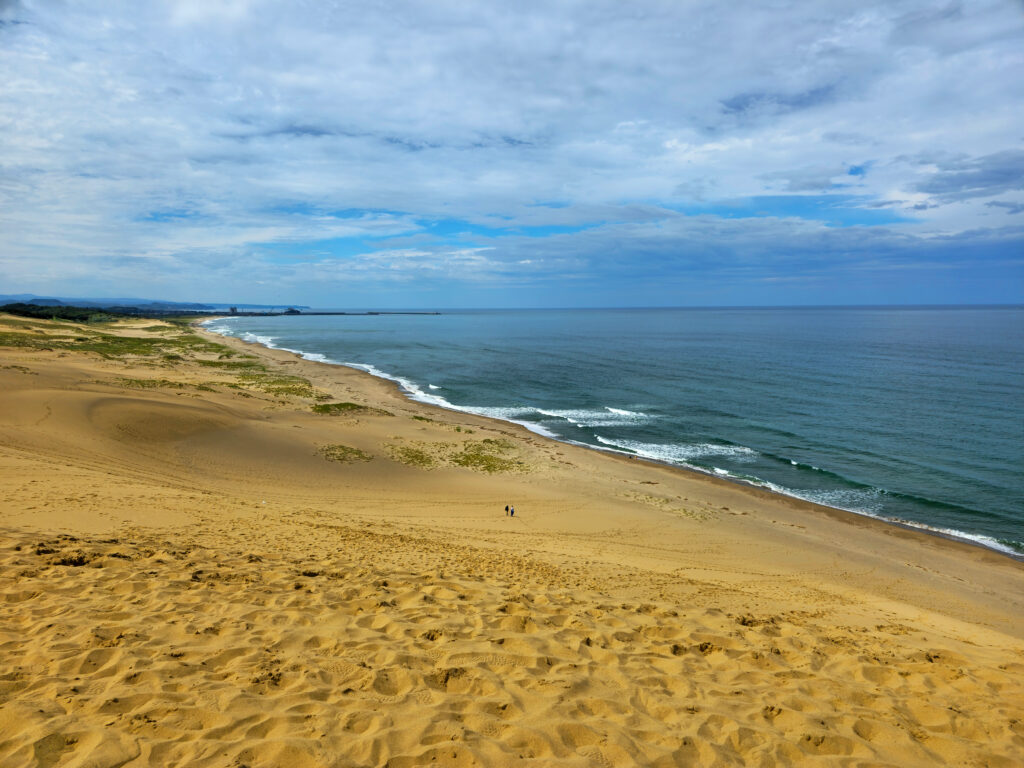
75	314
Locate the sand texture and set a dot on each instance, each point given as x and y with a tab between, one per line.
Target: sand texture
213	554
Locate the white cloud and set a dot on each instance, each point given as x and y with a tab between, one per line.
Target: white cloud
180	128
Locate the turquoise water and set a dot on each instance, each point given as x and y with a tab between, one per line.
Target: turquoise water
910	414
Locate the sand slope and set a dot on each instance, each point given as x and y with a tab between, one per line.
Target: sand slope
187	579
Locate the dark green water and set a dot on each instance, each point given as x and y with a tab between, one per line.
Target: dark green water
912	414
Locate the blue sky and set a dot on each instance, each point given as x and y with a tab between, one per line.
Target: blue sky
459	154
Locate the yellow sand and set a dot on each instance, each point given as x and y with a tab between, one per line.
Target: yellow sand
186	579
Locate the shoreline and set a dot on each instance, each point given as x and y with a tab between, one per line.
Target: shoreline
219	553
957	537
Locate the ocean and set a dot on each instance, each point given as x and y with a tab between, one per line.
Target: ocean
911	414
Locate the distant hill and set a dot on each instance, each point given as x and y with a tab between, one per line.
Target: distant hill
145	305
64	301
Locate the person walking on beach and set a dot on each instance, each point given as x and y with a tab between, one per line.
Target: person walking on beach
506	510
512	511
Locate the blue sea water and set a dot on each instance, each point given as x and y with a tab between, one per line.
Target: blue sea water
909	414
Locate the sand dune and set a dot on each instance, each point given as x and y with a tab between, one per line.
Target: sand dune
197	569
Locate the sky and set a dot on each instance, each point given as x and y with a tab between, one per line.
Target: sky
529	154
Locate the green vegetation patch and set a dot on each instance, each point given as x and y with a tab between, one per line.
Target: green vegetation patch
446	425
109	346
167	345
78	338
487	456
196	344
22	340
75	314
280	384
10	322
159	384
348	409
346	454
151	384
232	365
105	345
413	456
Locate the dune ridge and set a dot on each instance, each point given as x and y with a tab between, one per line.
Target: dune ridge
188	578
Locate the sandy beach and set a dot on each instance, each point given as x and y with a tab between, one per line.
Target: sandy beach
217	554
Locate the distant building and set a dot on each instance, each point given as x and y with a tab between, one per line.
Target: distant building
292	311
234	310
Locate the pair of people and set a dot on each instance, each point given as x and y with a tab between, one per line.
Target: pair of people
510	510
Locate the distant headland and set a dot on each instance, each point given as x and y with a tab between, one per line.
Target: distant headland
27	304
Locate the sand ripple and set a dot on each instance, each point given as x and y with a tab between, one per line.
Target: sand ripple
373	649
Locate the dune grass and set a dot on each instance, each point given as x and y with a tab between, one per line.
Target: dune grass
165	346
344	454
489	456
413	455
78	338
348	409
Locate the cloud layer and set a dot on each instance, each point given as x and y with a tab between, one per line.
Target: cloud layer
572	153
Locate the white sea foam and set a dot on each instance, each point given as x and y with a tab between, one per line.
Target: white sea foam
512	414
621	412
861	501
414	392
316	357
866	502
680	453
985	541
801	464
266	341
220	325
504	413
410	387
607	417
869	502
515	415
